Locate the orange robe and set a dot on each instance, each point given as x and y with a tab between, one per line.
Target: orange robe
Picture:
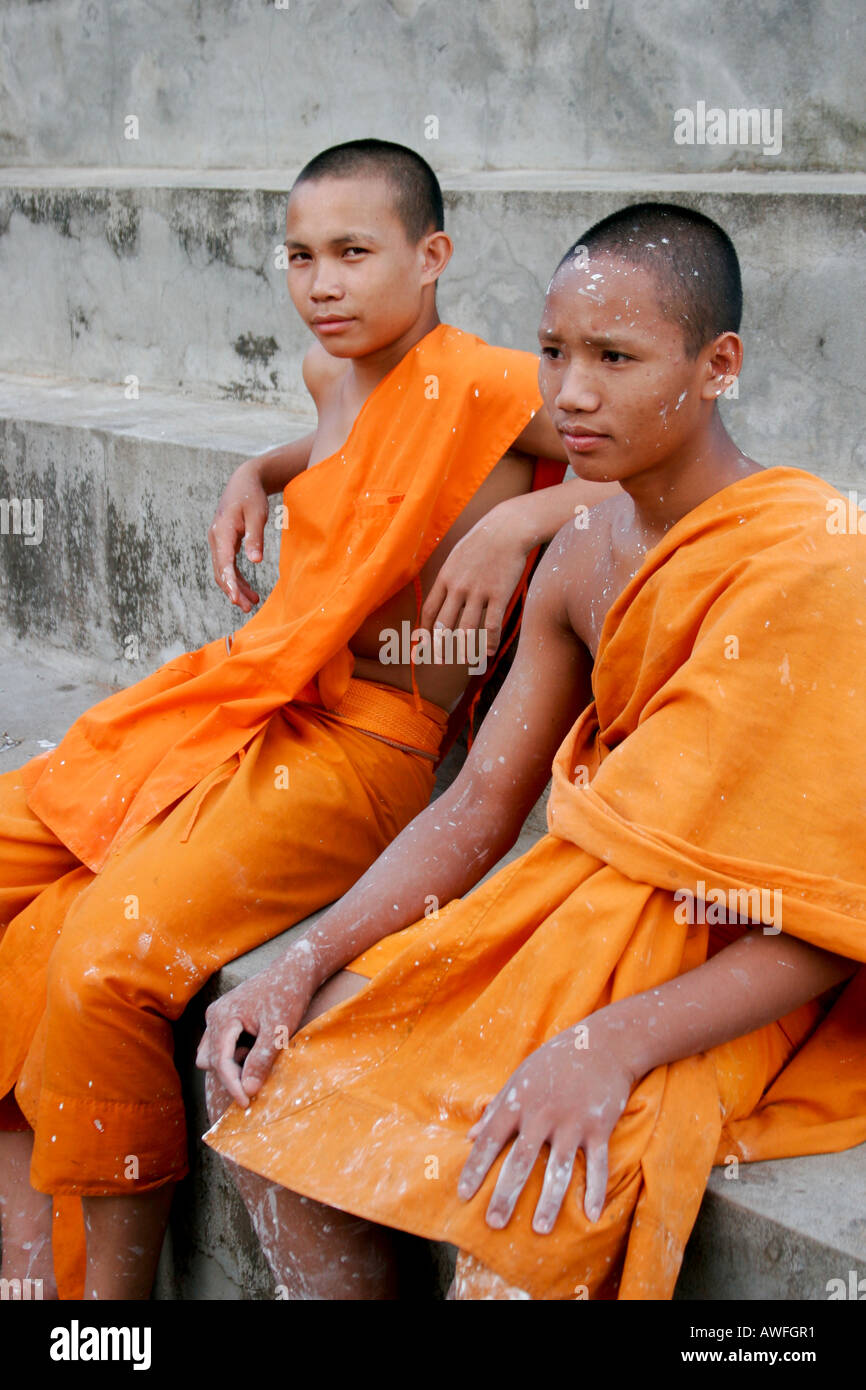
359	526
723	751
187	819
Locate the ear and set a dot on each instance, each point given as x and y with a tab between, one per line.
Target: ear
720	364
437	249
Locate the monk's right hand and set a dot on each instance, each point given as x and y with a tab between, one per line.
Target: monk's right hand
270	1008
241	515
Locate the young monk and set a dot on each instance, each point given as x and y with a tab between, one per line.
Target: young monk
221	799
544	1073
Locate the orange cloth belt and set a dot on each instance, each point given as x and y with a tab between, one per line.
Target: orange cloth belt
394	720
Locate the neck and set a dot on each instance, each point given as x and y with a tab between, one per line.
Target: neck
666	492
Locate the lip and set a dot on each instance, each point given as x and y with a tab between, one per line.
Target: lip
331	324
581	440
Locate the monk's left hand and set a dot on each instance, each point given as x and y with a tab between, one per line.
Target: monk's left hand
474	585
567	1094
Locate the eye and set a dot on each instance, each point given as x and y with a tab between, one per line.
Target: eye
551	353
296	257
352	250
608	355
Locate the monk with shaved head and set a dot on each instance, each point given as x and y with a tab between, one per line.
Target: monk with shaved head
544	1070
199	813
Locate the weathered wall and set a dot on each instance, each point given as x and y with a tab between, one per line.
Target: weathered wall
513	83
178	287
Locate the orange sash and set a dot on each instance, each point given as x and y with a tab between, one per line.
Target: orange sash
360	525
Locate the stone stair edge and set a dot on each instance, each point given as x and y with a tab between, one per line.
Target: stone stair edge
278	180
199	418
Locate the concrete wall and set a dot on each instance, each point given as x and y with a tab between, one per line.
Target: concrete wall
513	83
177	286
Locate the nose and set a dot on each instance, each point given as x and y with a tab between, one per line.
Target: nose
577	391
325	283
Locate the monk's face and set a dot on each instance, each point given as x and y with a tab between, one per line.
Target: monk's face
354	276
614	372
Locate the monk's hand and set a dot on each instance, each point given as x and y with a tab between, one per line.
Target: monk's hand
567	1094
473	588
269	1008
241	515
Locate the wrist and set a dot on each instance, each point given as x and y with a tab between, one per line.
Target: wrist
268	469
622	1030
305	959
516	516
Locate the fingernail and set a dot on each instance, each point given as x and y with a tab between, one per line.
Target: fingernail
496	1219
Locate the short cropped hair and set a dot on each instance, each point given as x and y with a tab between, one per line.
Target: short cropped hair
692	260
417	195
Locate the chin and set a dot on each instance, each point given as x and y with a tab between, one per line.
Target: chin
593	470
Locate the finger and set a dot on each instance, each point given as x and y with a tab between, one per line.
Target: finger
512	1178
450	609
478	1164
493	620
472	616
227	1068
254	536
225	540
496	1126
433	602
202	1056
258	1063
227	578
487	1114
557	1176
247	594
596	1177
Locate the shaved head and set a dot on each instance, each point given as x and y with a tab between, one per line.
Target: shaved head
692	261
417	195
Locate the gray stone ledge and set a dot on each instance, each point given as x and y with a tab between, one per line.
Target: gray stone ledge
765	182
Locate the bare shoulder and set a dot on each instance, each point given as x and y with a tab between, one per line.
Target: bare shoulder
321	371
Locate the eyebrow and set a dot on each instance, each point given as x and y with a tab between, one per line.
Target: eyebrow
347	239
604	340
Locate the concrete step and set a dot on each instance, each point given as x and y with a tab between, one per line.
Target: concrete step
122	573
172	278
780	1230
246	83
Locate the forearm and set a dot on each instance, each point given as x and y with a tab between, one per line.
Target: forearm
751	983
535	517
440	855
278	466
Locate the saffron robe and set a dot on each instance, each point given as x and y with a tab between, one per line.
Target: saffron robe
723	747
114	902
361	525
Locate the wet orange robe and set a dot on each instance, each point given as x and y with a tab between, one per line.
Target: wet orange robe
724	747
187	819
